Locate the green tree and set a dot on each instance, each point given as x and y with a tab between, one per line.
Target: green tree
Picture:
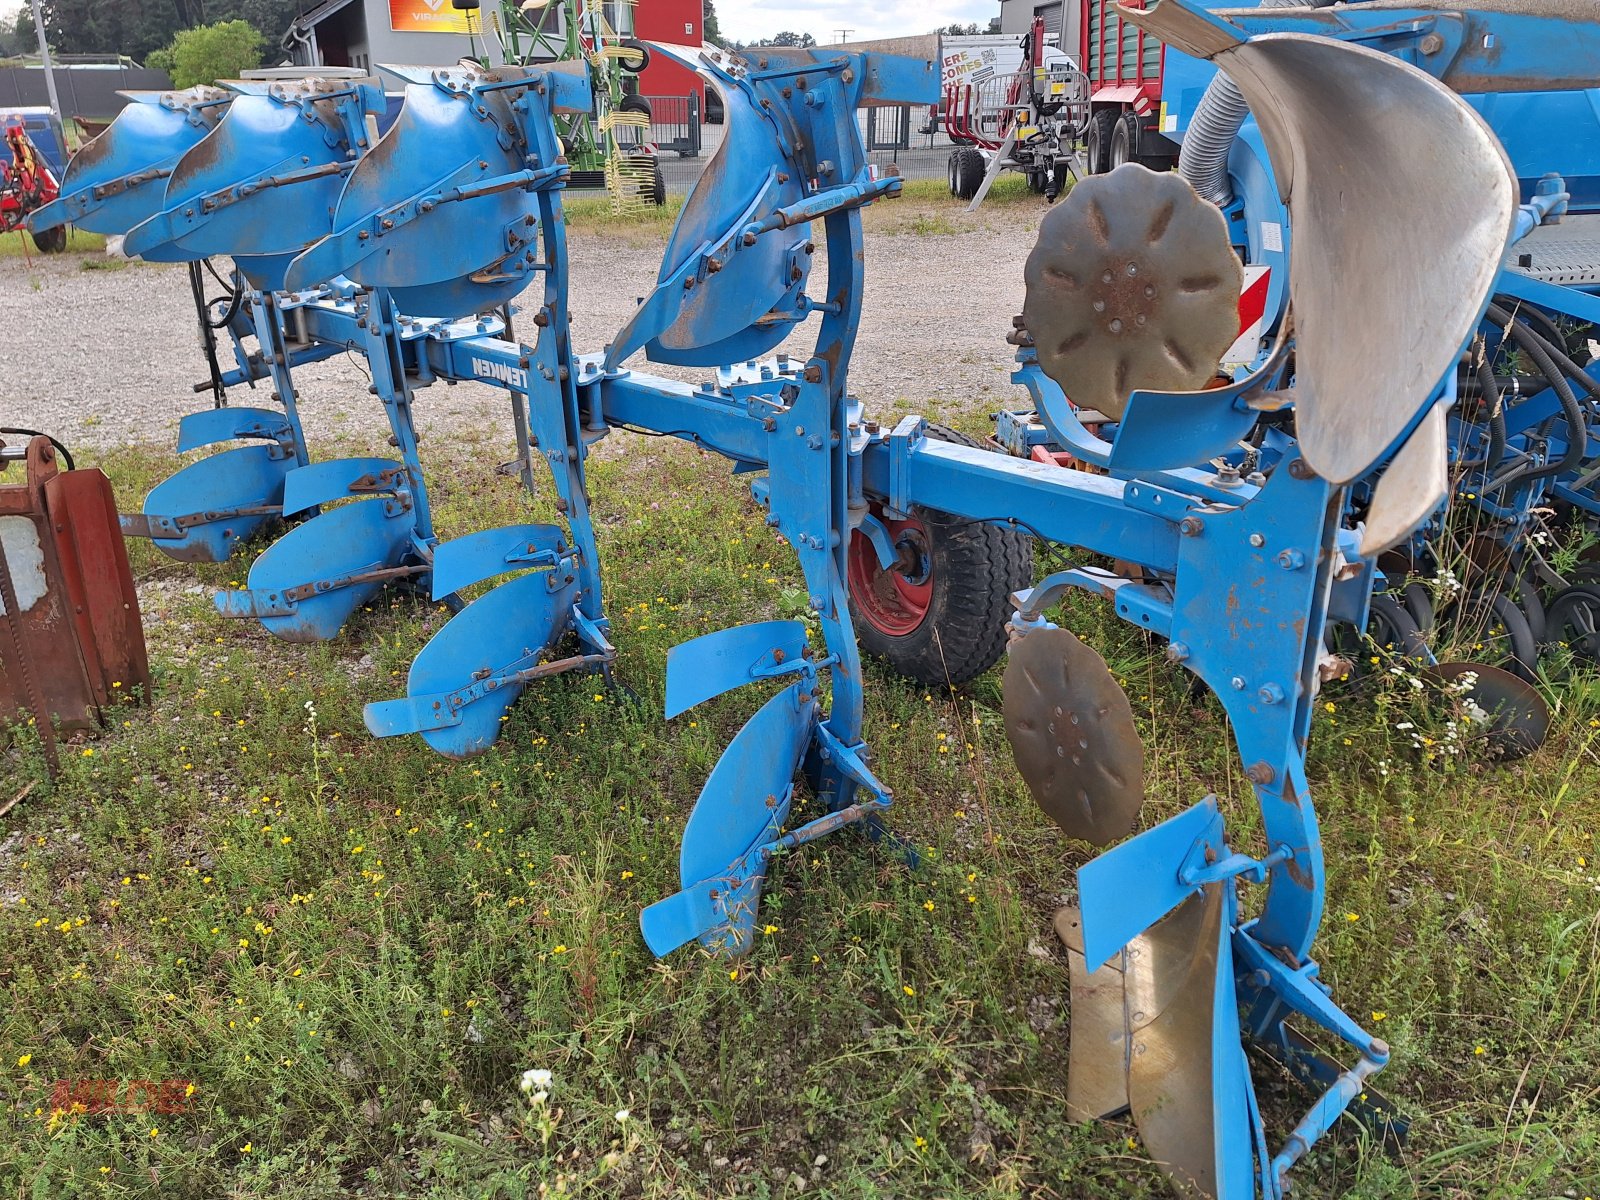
208	53
137	27
713	32
787	38
958	29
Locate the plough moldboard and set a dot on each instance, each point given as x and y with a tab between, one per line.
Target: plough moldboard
1250	534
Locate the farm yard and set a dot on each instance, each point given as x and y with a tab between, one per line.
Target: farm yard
360	969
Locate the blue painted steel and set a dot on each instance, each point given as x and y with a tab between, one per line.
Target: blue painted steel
743	805
472	671
336	555
213	425
464	561
119	178
262	183
1115	914
443	212
718	662
339	479
214	504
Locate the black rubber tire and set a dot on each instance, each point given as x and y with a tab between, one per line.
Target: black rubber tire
1390	625
52	240
1097	141
1124	142
638	60
634	104
1038	181
1477	613
967	168
975	568
1419	603
658	183
1573	620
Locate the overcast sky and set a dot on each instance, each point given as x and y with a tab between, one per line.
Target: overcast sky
745	20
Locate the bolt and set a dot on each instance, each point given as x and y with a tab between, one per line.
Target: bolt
770	424
1291	560
812	374
1431	43
1259	978
814	442
749	239
1270	693
1177	652
1301	469
1260	773
1238	683
713	265
541	318
1258	540
1191	526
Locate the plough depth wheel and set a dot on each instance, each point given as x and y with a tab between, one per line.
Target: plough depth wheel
939	614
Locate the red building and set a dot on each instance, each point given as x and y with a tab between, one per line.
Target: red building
681	23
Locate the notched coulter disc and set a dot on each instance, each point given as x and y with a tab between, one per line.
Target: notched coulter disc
1132	286
1072	734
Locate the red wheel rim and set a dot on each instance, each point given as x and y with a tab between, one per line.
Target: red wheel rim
891	601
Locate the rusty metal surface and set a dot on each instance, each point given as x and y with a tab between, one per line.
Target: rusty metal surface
73	641
1097	1062
1518	717
1072	733
1170	988
99	583
1132	285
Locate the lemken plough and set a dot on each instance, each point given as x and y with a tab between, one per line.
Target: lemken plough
1132	296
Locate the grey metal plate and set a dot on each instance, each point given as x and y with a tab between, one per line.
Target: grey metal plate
1072	733
1132	286
1567	254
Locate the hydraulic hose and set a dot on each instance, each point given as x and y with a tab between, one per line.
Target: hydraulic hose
1203	159
1540	351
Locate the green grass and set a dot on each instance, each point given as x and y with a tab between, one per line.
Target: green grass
79	241
353	949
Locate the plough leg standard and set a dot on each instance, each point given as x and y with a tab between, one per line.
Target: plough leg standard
1166	971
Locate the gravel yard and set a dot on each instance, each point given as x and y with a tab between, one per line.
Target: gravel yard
104	353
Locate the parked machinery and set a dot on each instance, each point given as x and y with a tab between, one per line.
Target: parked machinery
1132	305
1028	122
607	144
27	182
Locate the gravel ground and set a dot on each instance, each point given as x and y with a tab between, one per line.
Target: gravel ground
104	357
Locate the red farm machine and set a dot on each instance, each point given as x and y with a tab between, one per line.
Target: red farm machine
27	179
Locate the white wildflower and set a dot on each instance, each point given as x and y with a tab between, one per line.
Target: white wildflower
536	1078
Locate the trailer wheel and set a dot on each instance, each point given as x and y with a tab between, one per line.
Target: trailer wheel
967	167
1097	141
1125	141
52	240
635	104
939	615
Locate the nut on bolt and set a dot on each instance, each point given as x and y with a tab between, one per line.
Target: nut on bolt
1191	526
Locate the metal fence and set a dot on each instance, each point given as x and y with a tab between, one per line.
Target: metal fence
86	91
675	124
